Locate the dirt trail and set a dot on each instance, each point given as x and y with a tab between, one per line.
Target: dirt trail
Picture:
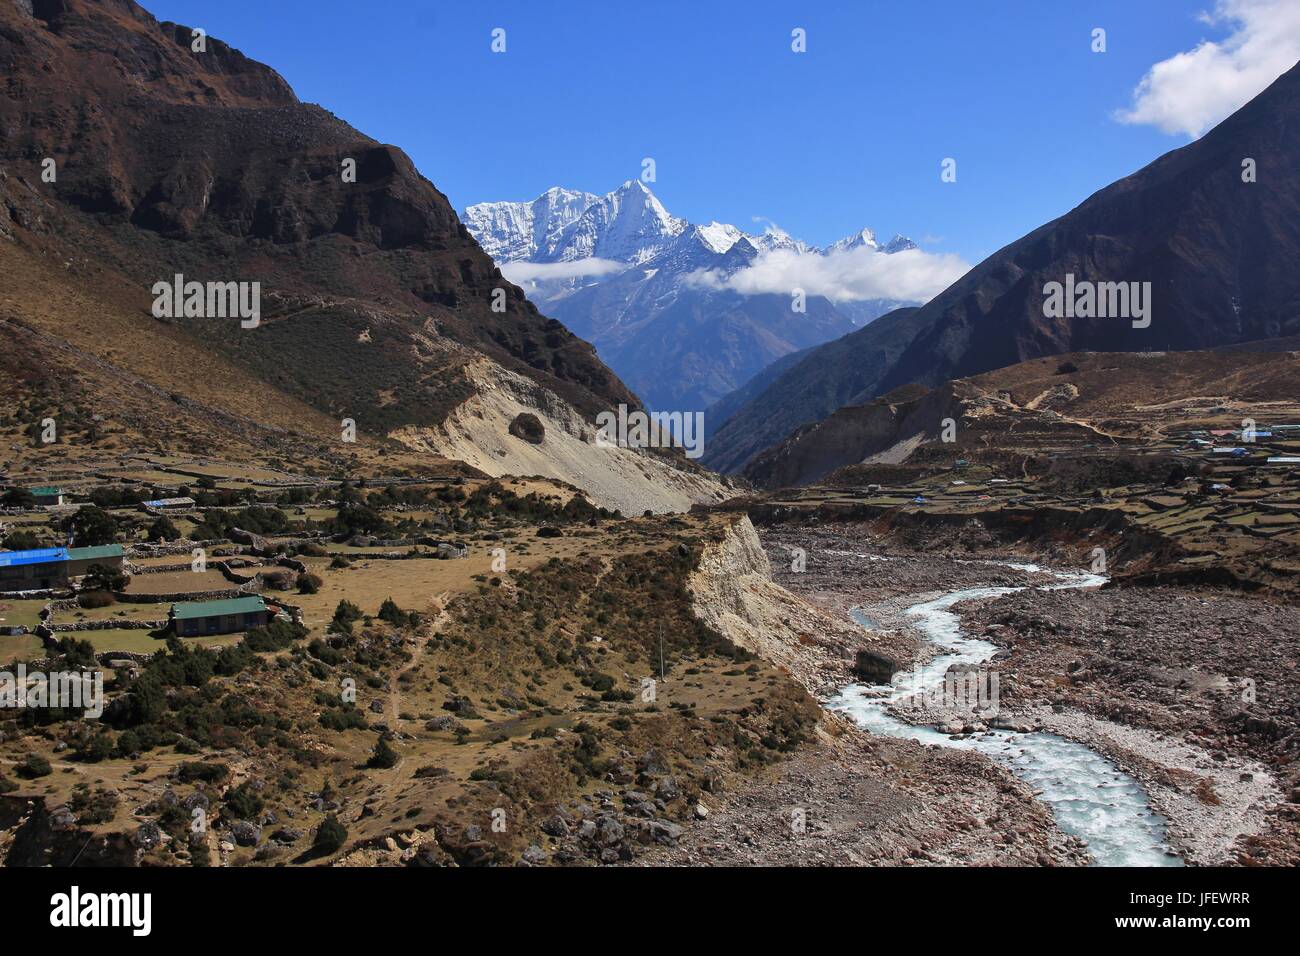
393	708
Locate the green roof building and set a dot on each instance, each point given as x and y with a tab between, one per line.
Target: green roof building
199	618
47	495
80	559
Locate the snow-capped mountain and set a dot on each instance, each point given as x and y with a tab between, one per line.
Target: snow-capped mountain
649	289
629	225
866	239
511	231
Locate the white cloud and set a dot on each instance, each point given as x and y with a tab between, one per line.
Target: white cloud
1192	91
522	273
844	276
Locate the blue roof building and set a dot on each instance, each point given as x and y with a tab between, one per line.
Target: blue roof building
13	559
42	569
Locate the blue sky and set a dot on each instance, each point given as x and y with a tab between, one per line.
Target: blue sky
849	134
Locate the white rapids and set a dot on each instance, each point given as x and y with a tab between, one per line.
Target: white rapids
1089	796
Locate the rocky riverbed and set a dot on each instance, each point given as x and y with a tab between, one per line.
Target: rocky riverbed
849	797
1201	687
1152	679
856	799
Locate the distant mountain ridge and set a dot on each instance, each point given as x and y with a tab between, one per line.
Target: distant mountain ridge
648	288
1217	247
628	225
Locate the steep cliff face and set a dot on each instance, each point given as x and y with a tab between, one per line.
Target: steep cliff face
732	591
480	433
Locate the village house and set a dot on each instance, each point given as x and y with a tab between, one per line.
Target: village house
47	495
168	504
42	569
38	569
200	618
81	559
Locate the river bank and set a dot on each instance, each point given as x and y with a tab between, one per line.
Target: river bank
853	799
1221	803
1195	689
846	797
1235	816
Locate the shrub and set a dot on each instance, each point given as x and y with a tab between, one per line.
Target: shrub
390	612
207	772
90	526
324	653
22	541
103	577
34	766
95	748
309	583
278	580
94	599
330	835
345	615
77	653
163	530
97	807
18	498
345	718
383	757
275	636
244	802
128	743
394	615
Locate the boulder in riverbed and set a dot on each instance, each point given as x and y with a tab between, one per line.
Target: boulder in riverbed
874	668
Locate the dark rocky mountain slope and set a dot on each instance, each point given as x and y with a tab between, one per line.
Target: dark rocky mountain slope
1219	254
377	304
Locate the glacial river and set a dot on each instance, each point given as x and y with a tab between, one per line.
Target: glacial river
1090	797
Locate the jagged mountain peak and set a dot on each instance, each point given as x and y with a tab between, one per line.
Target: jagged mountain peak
630	225
627	225
863	238
717	237
511	231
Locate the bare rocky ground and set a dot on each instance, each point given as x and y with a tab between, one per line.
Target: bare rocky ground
849	567
858	800
1151	678
851	798
1211	674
